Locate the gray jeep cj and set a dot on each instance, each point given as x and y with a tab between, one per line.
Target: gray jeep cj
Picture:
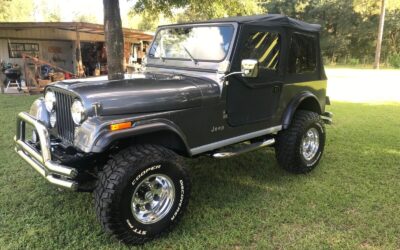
217	88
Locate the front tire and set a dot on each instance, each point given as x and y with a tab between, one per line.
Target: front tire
299	148
141	193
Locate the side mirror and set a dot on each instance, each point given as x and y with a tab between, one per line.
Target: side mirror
249	68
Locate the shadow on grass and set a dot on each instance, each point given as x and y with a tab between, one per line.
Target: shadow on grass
235	183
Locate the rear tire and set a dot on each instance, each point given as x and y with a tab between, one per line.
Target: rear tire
299	148
141	193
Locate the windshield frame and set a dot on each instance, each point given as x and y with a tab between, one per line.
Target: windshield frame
168	61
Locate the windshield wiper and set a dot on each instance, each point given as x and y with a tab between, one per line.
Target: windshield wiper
162	59
190	55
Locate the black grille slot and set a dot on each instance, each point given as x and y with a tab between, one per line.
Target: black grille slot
65	125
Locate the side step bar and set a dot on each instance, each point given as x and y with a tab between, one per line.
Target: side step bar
243	149
327	117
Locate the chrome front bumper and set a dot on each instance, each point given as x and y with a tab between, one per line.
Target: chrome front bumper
53	172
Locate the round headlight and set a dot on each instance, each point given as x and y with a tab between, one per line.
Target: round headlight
78	112
53	119
50	100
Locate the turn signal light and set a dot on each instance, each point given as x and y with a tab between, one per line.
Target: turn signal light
119	126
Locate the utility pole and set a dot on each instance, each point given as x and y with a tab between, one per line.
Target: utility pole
380	35
114	39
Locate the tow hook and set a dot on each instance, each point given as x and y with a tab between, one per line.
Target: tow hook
327	117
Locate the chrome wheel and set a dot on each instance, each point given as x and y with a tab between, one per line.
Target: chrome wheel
310	144
153	199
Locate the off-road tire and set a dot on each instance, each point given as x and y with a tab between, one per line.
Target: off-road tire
114	189
288	143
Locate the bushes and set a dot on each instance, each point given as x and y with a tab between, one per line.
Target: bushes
394	60
353	61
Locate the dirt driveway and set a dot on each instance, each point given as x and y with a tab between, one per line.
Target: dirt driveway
364	85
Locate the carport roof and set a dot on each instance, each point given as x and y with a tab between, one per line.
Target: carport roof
82	27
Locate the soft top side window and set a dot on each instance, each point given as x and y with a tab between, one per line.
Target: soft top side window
302	54
264	47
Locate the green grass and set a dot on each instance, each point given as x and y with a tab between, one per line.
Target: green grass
351	201
357	66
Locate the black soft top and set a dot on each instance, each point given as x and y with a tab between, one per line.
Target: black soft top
269	20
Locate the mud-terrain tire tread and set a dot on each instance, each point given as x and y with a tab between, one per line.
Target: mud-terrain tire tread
106	193
286	147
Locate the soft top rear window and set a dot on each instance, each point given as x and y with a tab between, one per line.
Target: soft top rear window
302	54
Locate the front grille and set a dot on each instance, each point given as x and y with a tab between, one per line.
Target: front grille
65	125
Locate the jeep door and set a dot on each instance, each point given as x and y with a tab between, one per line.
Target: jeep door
251	100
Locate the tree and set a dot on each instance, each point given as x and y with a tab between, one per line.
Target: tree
392	33
53	16
145	20
4	6
80	17
336	18
195	10
114	39
47	11
16	10
380	35
348	26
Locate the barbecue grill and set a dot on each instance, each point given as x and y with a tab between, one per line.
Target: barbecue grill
13	75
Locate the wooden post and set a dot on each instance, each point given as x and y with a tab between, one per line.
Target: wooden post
1	77
79	66
26	74
141	49
2	82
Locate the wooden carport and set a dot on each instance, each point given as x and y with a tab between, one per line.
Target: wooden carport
72	31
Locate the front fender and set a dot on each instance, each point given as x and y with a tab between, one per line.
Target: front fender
96	138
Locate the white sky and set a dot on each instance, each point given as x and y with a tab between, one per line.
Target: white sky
70	8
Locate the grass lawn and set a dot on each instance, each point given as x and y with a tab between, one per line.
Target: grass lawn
356	66
350	201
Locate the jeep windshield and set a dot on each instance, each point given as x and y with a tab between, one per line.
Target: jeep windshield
199	43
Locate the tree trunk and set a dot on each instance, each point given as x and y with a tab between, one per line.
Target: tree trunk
380	35
114	39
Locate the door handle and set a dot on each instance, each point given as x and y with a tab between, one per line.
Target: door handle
275	89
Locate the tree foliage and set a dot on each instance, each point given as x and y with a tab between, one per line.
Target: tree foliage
199	10
349	27
190	10
16	10
80	17
48	11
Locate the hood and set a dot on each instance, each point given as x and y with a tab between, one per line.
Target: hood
141	93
